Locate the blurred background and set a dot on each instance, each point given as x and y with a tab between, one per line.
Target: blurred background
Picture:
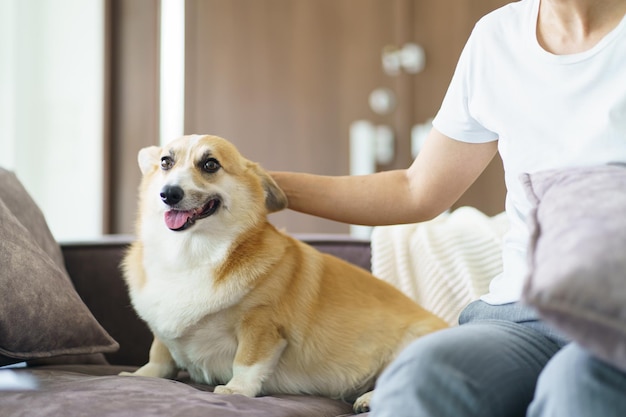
323	86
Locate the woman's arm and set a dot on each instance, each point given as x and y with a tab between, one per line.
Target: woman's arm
440	174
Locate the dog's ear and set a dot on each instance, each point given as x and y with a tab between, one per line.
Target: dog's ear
148	158
275	198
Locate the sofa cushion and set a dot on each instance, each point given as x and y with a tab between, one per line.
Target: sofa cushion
88	390
41	315
577	278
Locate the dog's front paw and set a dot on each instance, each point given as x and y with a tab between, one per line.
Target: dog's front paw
225	389
153	370
362	404
222	389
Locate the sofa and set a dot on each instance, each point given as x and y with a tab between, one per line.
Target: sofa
89	384
67	329
66	321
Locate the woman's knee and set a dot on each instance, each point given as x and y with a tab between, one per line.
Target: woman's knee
463	371
576	383
422	357
416	381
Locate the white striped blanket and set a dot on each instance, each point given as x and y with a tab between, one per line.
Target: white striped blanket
443	264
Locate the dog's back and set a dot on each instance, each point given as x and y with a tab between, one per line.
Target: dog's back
343	325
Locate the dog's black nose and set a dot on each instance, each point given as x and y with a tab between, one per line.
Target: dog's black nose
172	194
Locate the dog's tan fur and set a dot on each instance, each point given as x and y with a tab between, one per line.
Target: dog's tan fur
236	302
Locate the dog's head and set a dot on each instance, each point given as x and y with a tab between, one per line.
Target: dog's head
194	178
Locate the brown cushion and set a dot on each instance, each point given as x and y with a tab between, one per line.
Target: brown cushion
41	315
577	251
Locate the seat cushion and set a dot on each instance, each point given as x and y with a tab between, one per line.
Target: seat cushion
94	390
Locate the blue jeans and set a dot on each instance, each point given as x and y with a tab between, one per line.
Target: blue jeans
500	362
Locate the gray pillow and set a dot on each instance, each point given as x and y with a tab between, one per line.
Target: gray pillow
577	255
41	315
23	207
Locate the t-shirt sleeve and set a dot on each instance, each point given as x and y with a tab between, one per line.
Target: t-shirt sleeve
454	119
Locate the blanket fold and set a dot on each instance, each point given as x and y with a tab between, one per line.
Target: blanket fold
443	264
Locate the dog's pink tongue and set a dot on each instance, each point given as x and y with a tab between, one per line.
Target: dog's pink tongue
175	219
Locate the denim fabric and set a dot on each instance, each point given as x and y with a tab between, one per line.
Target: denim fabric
516	313
488	367
575	384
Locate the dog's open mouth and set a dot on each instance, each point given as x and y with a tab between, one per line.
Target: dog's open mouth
178	220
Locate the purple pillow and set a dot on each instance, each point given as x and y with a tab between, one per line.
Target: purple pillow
577	255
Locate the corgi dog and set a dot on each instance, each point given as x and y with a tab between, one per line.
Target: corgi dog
243	306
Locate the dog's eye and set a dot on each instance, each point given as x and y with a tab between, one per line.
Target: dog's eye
211	165
166	163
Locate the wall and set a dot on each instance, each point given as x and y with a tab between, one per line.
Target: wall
284	80
51	108
132	35
79	82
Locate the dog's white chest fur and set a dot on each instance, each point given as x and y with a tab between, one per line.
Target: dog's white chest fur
180	289
199	340
170	308
207	351
188	312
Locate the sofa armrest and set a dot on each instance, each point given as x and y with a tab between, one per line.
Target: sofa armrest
94	267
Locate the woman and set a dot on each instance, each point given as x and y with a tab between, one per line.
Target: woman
544	83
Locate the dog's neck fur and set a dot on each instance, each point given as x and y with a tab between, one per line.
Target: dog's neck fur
188	248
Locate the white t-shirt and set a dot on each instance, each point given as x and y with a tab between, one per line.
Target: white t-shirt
546	111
